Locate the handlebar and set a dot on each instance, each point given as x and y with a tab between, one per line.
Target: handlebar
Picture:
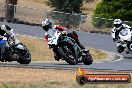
9	41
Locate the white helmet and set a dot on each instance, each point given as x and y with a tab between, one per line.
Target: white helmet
118	23
5	27
46	24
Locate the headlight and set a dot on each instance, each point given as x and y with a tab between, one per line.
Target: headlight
124	32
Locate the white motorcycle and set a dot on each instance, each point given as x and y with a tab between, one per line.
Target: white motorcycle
124	41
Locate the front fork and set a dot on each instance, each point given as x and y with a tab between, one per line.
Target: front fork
125	45
75	48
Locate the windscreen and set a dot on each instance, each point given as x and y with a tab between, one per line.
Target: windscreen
51	32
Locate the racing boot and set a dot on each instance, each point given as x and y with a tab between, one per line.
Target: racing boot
84	51
57	57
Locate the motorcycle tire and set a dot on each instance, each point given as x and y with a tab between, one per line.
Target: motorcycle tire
23	59
120	49
66	57
129	45
87	59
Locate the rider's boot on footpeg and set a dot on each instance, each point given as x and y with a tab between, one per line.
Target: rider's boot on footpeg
57	57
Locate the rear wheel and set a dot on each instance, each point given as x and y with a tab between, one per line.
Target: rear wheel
68	54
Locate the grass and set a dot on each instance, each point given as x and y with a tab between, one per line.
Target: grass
97	54
40	51
54	84
58	84
38	48
47	78
89	6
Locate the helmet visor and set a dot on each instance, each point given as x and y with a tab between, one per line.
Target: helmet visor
117	25
46	27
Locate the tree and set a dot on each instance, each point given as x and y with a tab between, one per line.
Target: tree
113	9
10	8
67	9
68	6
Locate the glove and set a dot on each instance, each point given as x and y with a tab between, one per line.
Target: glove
64	33
114	39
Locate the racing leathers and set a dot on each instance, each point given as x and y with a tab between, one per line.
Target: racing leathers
7	31
115	36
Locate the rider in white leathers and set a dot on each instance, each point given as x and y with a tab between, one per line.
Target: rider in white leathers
47	26
118	27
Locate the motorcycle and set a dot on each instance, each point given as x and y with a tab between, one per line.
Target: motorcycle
68	49
14	52
125	41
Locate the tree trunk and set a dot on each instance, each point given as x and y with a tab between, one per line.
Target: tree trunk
10	9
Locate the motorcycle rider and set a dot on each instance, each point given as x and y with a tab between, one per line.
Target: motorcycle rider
7	31
118	26
47	25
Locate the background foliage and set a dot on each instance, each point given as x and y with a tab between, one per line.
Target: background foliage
112	9
68	6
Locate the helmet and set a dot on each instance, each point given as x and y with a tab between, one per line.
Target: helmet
118	23
5	27
46	24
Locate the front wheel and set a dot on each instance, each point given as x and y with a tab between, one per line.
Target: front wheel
24	56
24	59
87	58
120	49
129	45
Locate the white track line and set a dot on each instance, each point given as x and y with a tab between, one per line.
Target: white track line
29	36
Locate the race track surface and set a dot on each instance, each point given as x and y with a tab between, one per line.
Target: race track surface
100	41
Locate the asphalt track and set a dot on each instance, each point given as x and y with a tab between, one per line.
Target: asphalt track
100	41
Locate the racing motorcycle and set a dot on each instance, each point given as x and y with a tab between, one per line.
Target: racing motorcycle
67	48
14	52
125	40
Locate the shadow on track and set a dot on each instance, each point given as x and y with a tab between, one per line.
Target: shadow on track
128	57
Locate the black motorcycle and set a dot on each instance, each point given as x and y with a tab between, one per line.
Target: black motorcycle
14	52
68	49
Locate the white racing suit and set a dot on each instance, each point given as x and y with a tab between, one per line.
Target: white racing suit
115	35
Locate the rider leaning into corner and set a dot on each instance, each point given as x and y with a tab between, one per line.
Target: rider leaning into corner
47	25
118	26
7	31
